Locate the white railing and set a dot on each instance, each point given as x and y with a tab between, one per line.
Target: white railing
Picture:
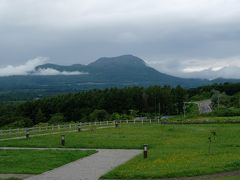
50	129
68	127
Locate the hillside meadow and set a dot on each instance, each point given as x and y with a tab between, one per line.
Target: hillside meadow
174	150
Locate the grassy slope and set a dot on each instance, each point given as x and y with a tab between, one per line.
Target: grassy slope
35	161
175	150
203	118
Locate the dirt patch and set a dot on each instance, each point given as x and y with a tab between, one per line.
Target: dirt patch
20	176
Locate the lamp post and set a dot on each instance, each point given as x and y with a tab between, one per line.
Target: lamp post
145	151
63	140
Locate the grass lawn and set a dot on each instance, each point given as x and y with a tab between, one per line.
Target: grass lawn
175	150
36	161
203	118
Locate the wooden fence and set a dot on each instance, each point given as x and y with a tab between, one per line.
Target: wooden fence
67	127
51	129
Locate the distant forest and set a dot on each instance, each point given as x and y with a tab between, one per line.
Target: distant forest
116	103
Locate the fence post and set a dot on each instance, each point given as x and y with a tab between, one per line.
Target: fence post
150	121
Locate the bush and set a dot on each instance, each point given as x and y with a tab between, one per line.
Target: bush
57	118
227	111
116	116
99	115
19	122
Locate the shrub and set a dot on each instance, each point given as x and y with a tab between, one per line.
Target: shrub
57	118
227	111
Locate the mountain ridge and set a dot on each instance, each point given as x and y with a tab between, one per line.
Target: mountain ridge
120	71
135	66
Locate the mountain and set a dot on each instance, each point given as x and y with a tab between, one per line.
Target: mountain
126	70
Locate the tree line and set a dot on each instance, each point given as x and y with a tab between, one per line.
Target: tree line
95	105
115	103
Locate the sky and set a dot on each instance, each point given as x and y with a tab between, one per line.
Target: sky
184	38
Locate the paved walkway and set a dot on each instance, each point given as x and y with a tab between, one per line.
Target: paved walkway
89	168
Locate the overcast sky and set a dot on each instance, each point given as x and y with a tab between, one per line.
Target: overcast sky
180	37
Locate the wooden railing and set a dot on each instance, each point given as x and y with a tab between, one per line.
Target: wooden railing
52	129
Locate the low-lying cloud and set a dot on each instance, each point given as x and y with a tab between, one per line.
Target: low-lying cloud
29	68
53	72
23	69
206	68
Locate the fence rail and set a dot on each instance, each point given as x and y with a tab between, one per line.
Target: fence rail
88	125
66	127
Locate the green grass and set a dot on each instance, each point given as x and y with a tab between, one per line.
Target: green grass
203	118
11	179
36	161
175	150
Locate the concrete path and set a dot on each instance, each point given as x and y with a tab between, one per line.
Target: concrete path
89	168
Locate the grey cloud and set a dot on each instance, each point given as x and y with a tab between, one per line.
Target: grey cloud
167	32
29	68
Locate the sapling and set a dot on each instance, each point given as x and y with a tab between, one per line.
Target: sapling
211	138
214	134
209	146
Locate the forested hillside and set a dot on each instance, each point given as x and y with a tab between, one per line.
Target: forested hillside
86	106
114	103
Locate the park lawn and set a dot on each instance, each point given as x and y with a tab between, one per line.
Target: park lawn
174	150
203	118
36	161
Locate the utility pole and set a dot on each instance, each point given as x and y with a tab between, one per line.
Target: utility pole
159	109
184	109
155	106
239	102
